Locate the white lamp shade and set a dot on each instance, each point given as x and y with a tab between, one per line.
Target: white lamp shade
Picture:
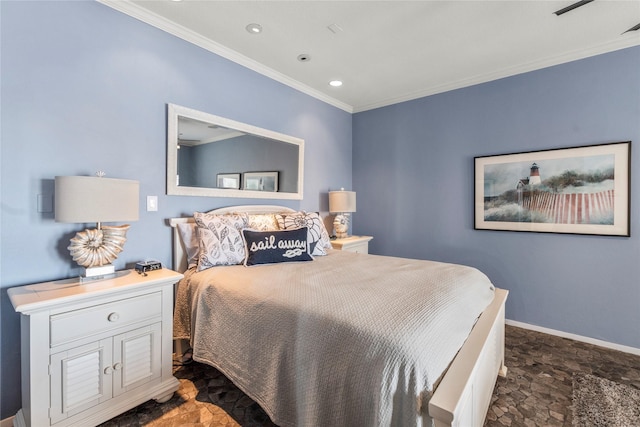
342	201
82	199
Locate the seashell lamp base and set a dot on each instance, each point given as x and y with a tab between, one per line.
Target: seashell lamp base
96	249
341	225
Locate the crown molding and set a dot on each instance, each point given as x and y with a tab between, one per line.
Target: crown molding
144	15
625	42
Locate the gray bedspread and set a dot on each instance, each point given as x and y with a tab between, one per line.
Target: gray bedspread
344	340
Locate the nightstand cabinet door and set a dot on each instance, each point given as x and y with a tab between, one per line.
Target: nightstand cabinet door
78	379
137	358
94	373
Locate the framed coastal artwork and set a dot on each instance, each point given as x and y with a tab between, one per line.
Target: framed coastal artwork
578	190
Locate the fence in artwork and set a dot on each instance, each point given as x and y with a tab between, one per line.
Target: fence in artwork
574	208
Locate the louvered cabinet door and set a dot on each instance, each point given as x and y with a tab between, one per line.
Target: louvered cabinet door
137	358
80	379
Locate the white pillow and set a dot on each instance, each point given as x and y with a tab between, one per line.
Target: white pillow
221	240
317	234
189	235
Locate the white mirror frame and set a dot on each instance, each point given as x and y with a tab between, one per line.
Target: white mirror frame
174	111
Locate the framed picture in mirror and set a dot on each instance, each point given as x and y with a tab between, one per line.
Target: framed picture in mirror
260	181
228	180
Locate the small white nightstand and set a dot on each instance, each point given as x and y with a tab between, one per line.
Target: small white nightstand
357	244
91	351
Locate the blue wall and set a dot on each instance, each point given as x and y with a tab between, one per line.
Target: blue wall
85	88
239	155
419	156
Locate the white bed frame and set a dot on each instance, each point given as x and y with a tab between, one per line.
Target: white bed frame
463	396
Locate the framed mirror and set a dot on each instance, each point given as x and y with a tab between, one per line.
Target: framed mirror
208	155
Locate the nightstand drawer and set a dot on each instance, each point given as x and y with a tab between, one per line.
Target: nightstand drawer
94	320
362	248
357	244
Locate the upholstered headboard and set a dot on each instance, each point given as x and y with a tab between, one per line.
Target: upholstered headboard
179	252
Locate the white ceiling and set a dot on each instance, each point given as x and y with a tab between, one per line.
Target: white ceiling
392	51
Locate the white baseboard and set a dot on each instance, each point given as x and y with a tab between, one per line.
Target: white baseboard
7	422
600	343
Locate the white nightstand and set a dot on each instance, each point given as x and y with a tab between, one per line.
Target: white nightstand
357	244
91	351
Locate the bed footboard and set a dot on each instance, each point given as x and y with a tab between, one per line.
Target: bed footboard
464	394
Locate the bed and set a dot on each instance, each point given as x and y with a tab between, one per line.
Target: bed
304	346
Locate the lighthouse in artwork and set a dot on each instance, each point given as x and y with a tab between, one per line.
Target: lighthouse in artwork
534	175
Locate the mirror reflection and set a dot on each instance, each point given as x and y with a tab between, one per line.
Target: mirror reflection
213	156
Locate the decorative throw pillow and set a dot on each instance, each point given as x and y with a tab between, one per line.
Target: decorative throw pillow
189	236
269	247
318	236
220	239
263	222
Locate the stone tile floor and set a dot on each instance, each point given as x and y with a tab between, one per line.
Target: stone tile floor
536	392
539	384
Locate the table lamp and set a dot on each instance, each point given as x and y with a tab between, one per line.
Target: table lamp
342	203
86	199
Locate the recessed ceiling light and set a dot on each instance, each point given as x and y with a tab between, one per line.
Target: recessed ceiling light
335	83
254	28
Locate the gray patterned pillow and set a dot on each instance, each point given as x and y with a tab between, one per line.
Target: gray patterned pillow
221	240
317	235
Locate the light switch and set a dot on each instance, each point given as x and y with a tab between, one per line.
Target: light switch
152	203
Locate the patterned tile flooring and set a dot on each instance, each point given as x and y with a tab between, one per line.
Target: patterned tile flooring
536	392
539	384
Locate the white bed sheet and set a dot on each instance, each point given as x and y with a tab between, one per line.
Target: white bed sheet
345	340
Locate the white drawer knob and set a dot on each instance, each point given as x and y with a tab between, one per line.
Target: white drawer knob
108	370
117	366
113	317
